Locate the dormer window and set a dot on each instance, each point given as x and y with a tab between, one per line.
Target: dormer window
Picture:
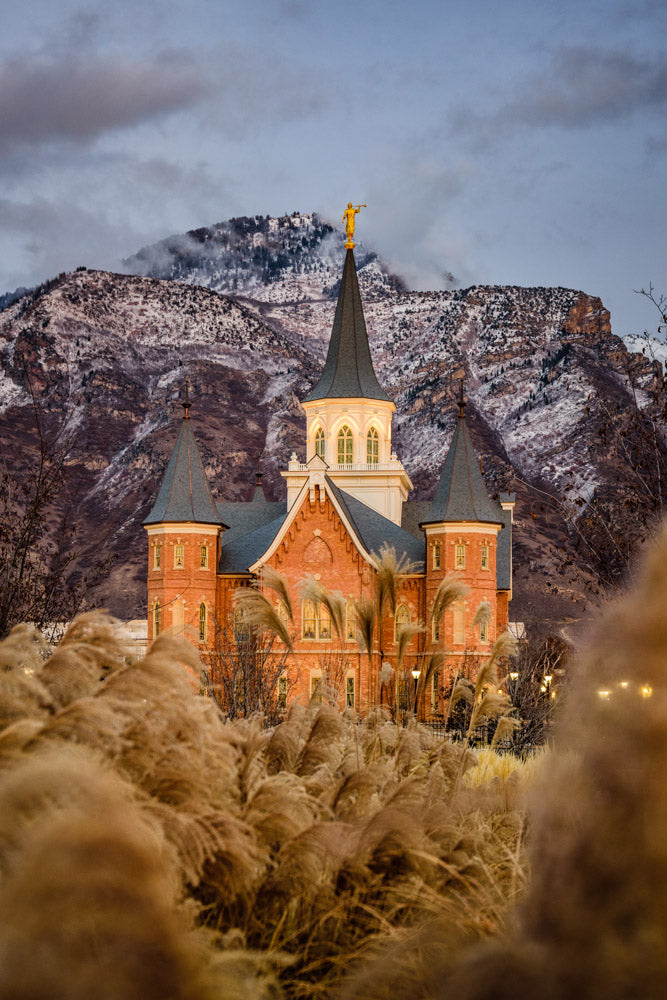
320	444
345	446
372	447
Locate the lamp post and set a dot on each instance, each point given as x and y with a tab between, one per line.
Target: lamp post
415	677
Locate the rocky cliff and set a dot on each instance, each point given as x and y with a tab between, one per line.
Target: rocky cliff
108	354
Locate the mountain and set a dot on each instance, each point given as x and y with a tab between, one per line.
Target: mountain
245	309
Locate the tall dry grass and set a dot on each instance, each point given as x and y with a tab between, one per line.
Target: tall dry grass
149	848
593	923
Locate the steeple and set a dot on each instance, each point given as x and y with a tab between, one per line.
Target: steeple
461	494
184	494
348	370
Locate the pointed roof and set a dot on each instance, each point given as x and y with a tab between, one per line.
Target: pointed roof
461	494
348	370
184	494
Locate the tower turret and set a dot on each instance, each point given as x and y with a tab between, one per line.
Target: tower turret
461	528
184	529
349	414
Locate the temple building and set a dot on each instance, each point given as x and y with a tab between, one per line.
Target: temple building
346	515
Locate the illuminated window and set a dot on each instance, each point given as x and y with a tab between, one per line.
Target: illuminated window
202	622
156	621
372	447
402	618
241	629
179	556
349	692
485	556
156	557
345	446
316	621
460	557
436	556
350	621
282	692
316	688
435	691
320	446
203	557
459	617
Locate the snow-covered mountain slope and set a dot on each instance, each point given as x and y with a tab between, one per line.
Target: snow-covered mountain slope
110	353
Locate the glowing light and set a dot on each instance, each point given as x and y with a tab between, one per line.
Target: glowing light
604	695
514	676
623	684
646	691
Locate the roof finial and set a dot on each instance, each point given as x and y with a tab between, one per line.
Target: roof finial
462	400
259	470
349	220
186	402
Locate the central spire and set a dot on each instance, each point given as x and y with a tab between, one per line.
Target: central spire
348	370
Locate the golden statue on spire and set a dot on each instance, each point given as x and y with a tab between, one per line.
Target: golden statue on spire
349	220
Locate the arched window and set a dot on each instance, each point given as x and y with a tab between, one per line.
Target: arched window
320	445
402	618
203	557
241	628
202	622
316	621
436	556
460	557
156	621
459	623
156	560
372	447
345	446
485	556
350	621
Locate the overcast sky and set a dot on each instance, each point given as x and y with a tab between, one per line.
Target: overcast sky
516	142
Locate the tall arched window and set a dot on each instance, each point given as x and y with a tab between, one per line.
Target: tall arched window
320	445
156	621
402	618
372	447
202	622
459	623
345	446
316	621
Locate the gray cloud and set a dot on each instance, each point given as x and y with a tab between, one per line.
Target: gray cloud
578	88
583	87
78	98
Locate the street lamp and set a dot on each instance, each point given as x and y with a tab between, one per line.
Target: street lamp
415	677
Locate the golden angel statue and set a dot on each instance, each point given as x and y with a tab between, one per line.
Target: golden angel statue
349	220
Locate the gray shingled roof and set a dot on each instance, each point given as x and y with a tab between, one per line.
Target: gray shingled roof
461	494
375	531
348	370
252	528
184	494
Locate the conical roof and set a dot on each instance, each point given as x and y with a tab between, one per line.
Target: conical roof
184	494
461	494
348	370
